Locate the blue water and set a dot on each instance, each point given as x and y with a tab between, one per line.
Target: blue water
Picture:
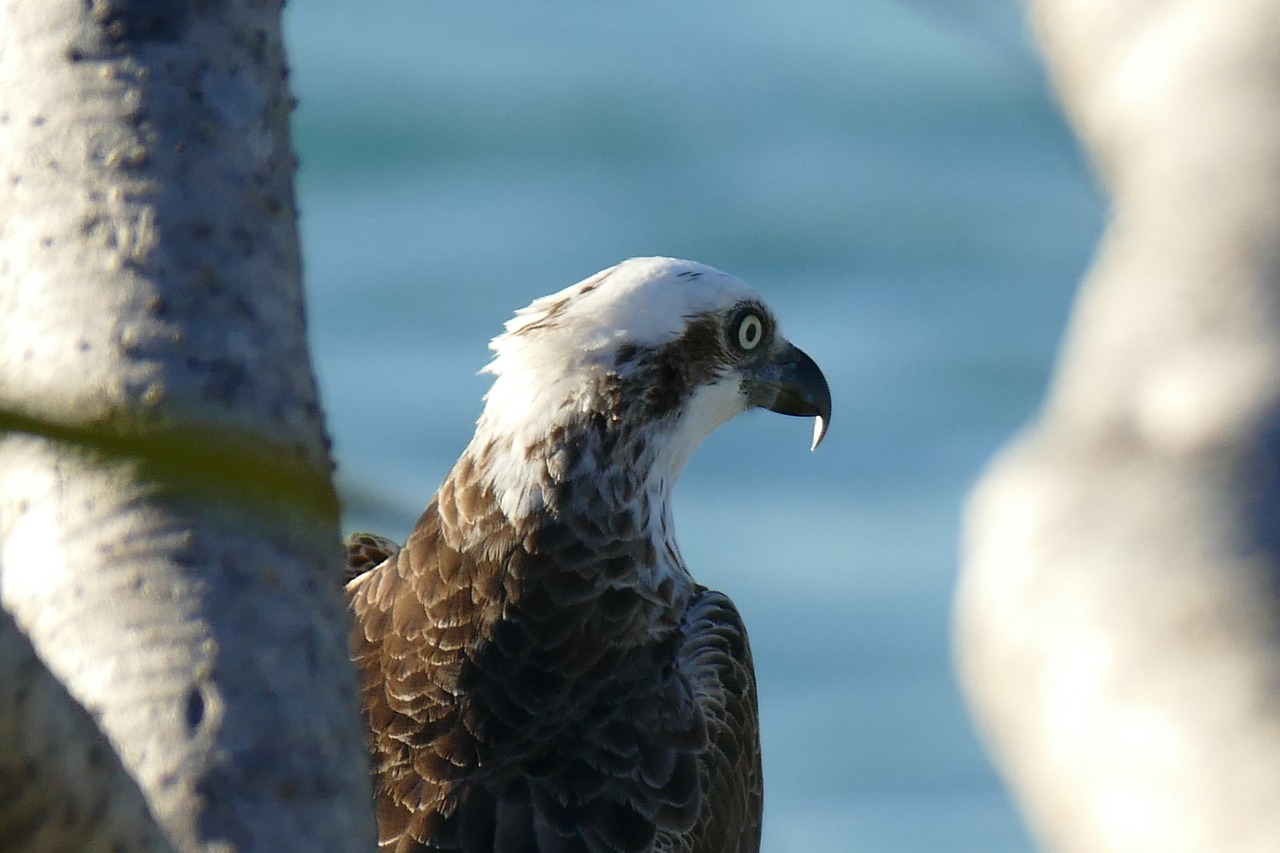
892	176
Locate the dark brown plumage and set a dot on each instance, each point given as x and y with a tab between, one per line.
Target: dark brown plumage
539	671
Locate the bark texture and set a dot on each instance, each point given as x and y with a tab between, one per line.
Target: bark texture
61	785
1118	626
168	531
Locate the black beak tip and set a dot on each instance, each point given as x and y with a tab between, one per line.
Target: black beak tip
801	389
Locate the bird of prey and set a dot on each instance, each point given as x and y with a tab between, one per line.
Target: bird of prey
539	671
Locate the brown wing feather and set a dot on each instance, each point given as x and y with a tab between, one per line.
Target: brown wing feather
415	617
717	658
365	551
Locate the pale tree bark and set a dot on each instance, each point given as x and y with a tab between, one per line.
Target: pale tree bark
1118	620
61	785
168	530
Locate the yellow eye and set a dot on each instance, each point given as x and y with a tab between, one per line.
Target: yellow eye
750	331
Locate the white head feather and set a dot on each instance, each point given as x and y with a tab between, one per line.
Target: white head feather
642	301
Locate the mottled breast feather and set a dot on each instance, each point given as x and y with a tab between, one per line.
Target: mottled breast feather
540	700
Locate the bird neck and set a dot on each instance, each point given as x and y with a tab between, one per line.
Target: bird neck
603	481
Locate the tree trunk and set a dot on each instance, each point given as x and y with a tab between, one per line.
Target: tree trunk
168	530
1118	621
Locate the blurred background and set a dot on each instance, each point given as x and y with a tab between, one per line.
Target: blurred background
894	178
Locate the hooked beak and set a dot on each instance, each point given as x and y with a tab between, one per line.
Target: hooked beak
790	383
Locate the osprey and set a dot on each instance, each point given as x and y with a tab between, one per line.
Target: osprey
539	671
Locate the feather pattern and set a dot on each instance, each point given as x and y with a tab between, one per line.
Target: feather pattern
539	671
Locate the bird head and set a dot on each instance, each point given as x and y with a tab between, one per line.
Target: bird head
655	349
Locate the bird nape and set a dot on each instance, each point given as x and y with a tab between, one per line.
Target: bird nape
539	671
